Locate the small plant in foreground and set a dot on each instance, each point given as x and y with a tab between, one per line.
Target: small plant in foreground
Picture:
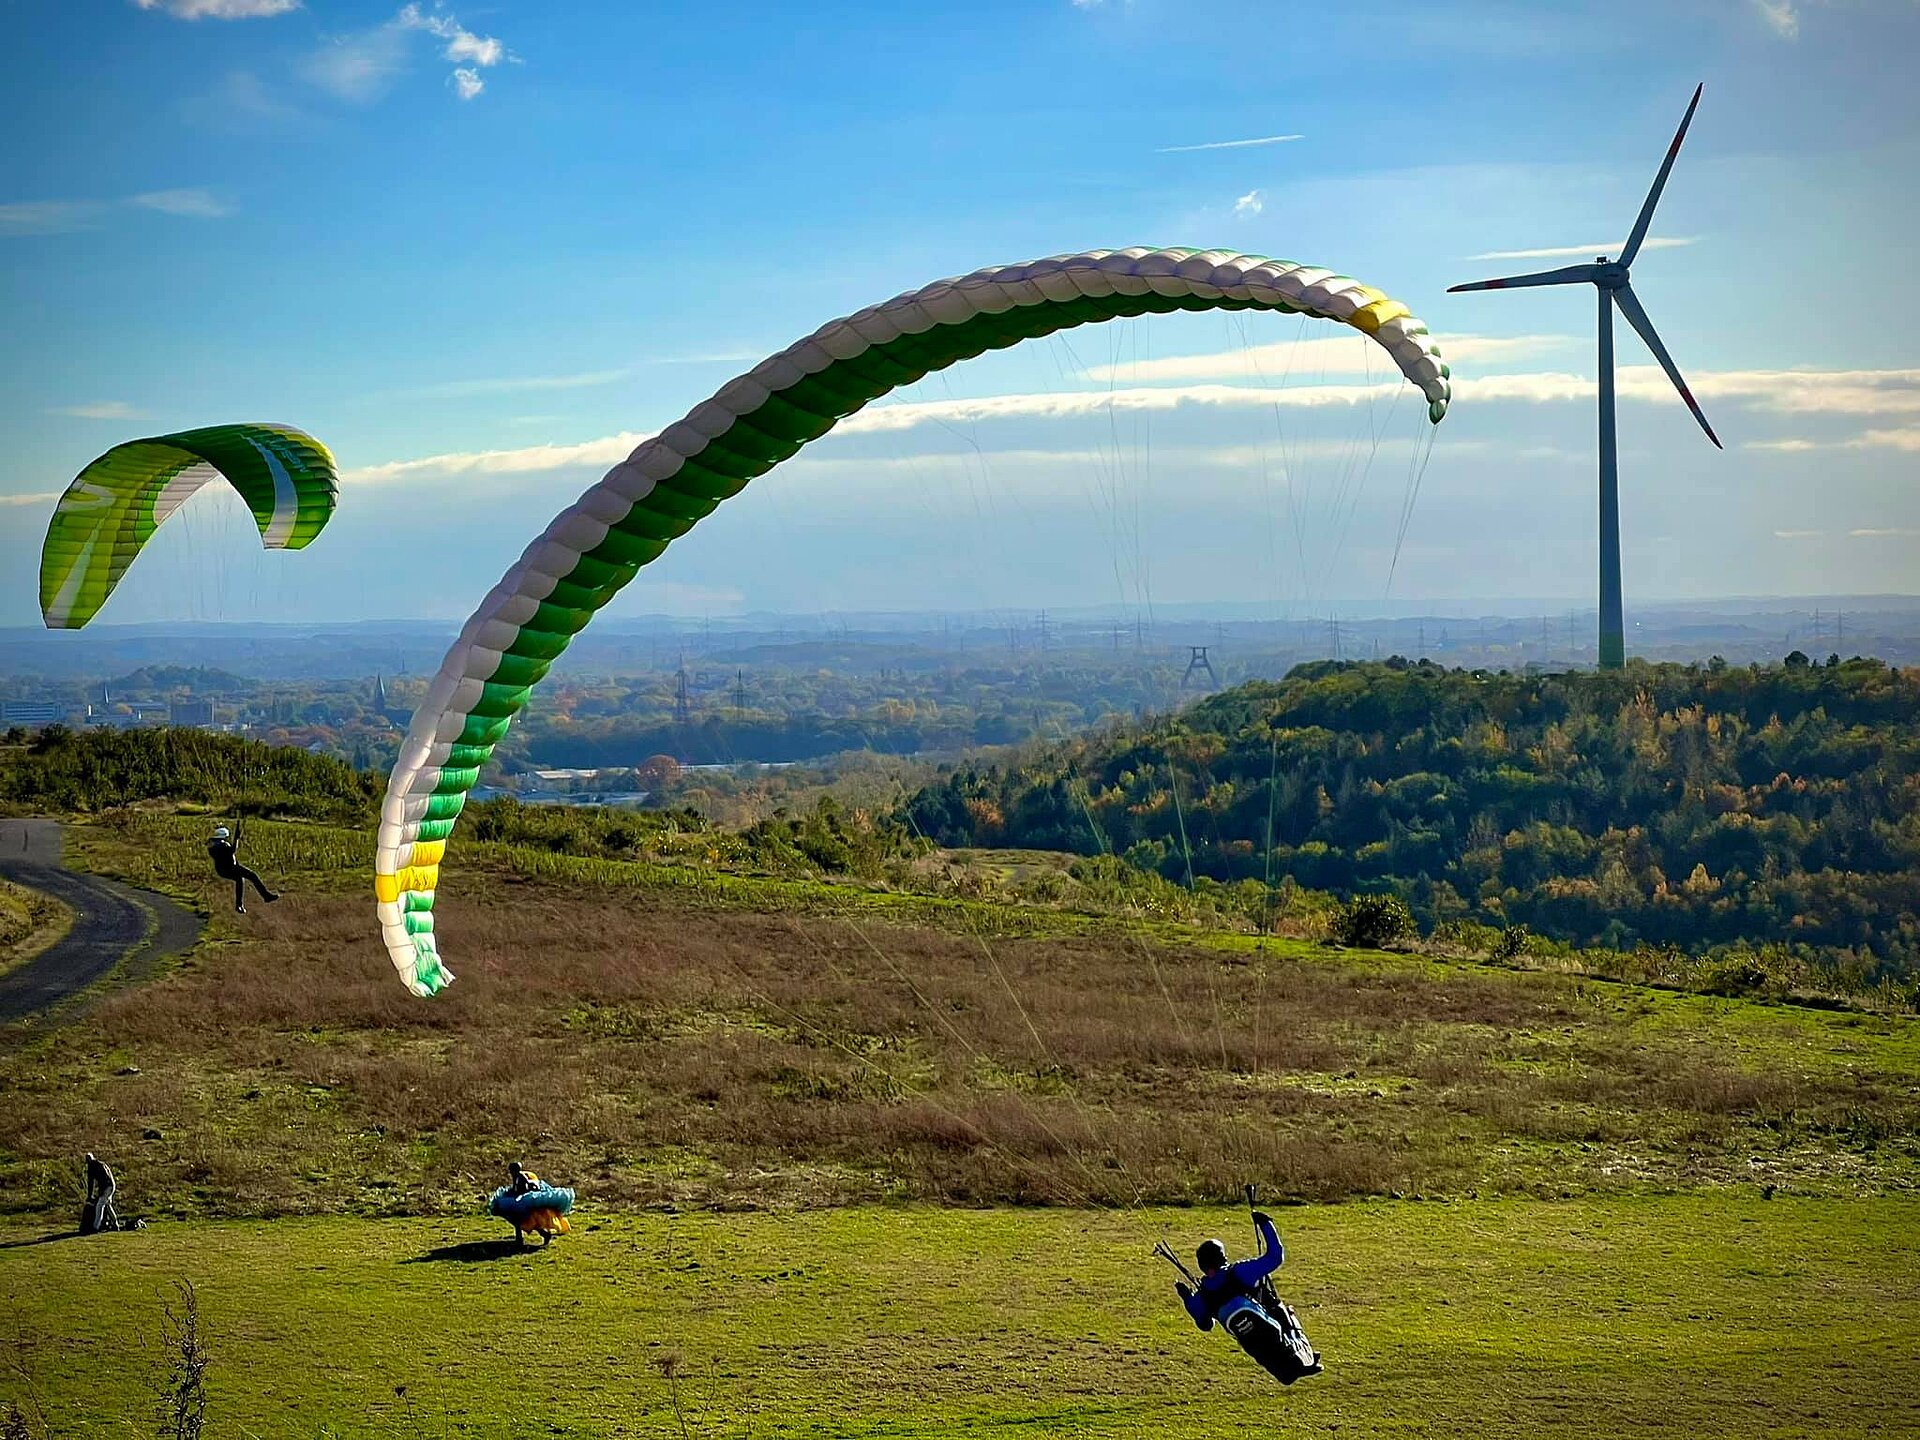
183	1388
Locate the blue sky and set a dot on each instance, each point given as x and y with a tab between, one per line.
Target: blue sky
482	249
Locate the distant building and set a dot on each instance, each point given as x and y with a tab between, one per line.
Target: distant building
397	714
148	712
31	714
190	712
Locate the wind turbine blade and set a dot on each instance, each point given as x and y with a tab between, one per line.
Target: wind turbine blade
1565	275
1659	183
1630	307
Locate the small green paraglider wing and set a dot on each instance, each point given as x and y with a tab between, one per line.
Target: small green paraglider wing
285	476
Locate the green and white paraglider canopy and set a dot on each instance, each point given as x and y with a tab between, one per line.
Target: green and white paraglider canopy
110	511
676	478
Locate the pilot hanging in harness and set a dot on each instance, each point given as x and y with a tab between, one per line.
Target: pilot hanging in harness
222	849
1241	1297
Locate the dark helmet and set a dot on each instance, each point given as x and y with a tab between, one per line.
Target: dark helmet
1211	1255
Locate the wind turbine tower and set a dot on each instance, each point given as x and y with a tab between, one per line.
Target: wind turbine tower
1610	279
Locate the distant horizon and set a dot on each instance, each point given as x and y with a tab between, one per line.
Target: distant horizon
1240	612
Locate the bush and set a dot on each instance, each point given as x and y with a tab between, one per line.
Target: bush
1374	922
1513	943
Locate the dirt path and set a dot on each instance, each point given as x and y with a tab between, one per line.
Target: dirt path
113	924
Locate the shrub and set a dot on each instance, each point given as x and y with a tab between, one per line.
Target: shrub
1513	943
1374	922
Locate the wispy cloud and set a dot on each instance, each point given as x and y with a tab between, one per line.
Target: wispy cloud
509	385
1907	439
607	452
1248	205
220	9
43	497
1781	16
462	43
1643	383
711	357
1227	144
357	68
240	96
531	460
47	217
360	67
98	410
1798	534
1564	252
1787	392
1895	533
1321	356
61	217
194	203
470	53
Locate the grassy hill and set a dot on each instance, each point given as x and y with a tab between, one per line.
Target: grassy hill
860	1160
668	1035
1769	817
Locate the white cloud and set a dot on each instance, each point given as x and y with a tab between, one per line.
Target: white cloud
1889	534
1795	392
44	497
1831	390
1248	205
458	389
1587	252
1887	440
1323	355
60	217
470	53
609	451
1798	534
1228	144
1781	17
1901	439
358	68
98	410
194	203
46	217
220	9
713	357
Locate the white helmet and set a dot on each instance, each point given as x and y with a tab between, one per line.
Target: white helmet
219	832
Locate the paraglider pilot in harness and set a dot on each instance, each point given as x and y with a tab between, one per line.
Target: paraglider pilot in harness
1240	1296
223	850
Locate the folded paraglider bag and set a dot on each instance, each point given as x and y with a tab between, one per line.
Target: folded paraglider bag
544	1209
1282	1353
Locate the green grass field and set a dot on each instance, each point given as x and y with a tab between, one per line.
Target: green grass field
842	1090
1690	1316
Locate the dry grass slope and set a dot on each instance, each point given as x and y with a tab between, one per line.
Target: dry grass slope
673	1046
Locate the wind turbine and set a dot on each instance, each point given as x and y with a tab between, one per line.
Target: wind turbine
1609	278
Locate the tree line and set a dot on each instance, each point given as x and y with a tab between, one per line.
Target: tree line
1690	806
